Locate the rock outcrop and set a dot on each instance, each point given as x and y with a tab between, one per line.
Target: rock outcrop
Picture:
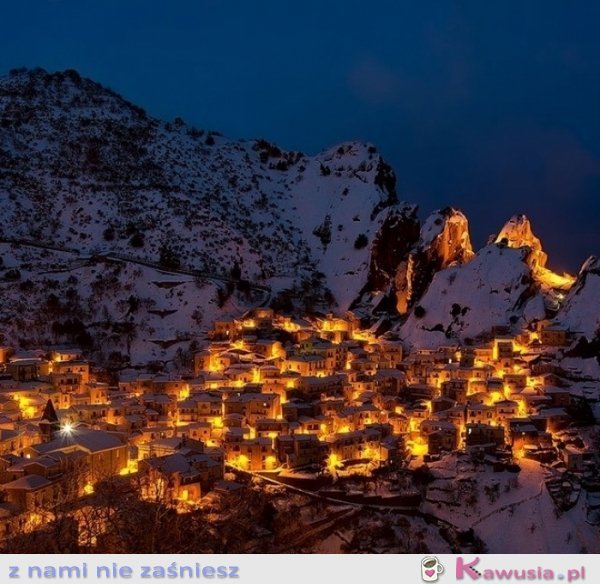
444	241
517	233
406	255
580	311
464	301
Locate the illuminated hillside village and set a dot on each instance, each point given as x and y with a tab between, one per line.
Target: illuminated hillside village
284	397
216	345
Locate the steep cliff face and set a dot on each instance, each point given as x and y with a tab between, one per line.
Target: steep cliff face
405	255
444	241
395	240
445	234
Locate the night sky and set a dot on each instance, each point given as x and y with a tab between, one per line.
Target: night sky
492	107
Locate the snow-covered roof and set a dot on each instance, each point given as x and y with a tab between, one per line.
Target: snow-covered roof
89	440
27	483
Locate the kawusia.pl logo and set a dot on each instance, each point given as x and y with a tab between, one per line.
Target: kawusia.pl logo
431	568
466	570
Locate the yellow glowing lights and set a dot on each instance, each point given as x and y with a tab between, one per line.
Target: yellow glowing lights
419	447
333	460
371	454
496	396
242	461
132	467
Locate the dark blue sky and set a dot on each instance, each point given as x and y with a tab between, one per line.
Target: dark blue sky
492	107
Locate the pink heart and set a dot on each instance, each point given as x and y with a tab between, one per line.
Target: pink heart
429	573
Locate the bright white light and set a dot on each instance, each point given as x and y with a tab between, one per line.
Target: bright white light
67	428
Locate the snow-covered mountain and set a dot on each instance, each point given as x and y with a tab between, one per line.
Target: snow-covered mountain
131	235
505	283
84	168
86	172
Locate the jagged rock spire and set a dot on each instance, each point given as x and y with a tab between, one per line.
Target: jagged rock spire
517	233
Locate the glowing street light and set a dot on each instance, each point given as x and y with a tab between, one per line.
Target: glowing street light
68	428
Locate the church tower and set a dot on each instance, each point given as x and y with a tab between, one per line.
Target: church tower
49	424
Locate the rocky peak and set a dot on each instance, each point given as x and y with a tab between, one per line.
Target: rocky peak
444	241
445	234
590	266
405	255
517	232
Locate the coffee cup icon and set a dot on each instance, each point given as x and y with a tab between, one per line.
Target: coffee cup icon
431	569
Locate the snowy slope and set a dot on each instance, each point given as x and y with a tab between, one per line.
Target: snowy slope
581	309
468	300
335	202
89	170
86	172
130	311
482	500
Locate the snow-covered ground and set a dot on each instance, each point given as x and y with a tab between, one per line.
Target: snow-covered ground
510	512
410	535
467	300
